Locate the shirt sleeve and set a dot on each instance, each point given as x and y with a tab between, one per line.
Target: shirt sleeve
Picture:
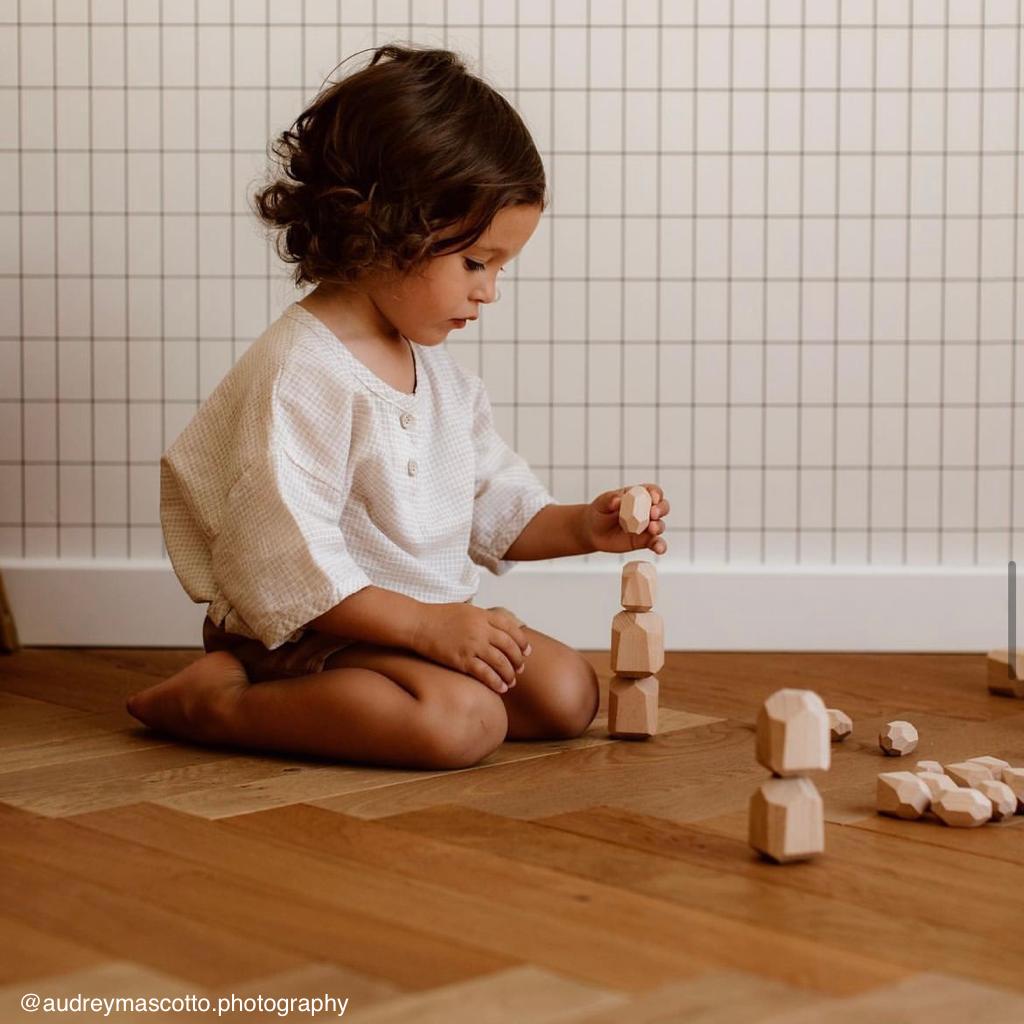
280	557
506	496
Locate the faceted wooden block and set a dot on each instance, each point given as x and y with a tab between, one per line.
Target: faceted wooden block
902	795
1004	679
994	764
635	510
963	807
929	766
1014	778
638	643
793	733
1004	800
787	820
936	782
839	723
968	773
639	586
633	707
898	738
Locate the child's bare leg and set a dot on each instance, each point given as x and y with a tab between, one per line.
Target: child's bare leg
430	717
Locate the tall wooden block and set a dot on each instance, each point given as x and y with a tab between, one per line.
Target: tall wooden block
787	820
633	707
638	643
793	734
639	586
1005	679
635	510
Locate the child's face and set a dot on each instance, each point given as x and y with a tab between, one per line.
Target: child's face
424	306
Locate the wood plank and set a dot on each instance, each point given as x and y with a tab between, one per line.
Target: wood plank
30	951
305	922
416	886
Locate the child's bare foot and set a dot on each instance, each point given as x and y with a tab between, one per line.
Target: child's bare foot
190	703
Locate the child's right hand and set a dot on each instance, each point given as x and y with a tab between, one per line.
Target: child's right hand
487	643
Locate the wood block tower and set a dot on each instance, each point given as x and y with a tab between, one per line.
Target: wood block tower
787	820
638	652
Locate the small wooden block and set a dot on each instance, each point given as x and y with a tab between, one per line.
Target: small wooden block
937	782
635	510
962	807
633	707
1003	679
638	643
968	773
994	764
787	820
840	724
1014	778
902	795
929	766
1004	800
898	738
793	734
639	586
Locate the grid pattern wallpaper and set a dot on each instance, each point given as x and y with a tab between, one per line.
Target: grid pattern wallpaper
780	274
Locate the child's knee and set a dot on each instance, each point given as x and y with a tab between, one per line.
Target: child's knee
463	728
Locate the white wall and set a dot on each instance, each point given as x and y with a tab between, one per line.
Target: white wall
780	274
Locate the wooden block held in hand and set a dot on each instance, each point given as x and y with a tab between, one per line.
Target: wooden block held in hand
1003	679
840	724
639	586
635	510
1004	800
793	734
962	807
968	773
898	738
902	795
787	820
638	643
633	707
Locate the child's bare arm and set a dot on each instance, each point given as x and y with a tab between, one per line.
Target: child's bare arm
556	530
375	615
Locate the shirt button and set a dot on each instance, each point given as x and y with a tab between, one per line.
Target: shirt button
405	419
412	467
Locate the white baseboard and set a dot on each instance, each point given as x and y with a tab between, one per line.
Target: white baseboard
140	603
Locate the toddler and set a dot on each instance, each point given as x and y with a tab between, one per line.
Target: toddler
333	497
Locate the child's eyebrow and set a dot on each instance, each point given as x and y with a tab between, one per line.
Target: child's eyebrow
484	248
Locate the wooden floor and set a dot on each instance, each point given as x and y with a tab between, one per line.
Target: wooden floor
590	880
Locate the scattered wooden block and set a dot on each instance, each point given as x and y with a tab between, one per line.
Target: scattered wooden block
1004	679
639	586
994	764
1004	800
635	509
936	782
839	723
929	766
793	734
638	643
1014	778
633	707
898	738
787	820
902	795
962	807
968	773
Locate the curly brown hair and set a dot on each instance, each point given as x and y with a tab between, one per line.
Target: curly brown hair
384	161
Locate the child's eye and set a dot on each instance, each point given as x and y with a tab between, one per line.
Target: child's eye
473	265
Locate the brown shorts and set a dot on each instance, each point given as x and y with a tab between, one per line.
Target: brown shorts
301	657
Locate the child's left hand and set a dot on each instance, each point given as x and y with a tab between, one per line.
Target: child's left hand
601	527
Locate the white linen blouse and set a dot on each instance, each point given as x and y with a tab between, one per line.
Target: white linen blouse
303	477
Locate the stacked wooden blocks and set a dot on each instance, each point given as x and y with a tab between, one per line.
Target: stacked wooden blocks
787	819
638	652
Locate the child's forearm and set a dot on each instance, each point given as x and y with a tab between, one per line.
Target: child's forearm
556	530
375	615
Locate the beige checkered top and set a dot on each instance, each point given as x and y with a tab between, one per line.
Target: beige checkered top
304	477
